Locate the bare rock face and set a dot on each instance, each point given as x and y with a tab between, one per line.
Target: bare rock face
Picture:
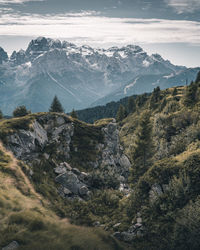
3	56
113	165
25	144
50	138
46	130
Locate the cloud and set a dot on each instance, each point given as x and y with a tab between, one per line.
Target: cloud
92	29
184	6
5	2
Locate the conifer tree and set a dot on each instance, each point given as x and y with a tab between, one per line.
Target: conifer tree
121	113
131	105
143	148
175	92
1	114
141	100
190	96
56	106
74	114
155	97
198	78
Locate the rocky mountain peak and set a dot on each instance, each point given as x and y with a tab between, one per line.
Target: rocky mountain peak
18	58
3	55
78	75
41	45
157	57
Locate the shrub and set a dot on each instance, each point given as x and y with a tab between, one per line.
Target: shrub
21	111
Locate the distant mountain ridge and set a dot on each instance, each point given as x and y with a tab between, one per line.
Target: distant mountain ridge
78	75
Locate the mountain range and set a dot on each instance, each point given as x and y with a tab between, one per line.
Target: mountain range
81	76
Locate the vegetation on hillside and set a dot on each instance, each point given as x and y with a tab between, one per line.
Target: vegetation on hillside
25	216
21	111
161	135
166	188
110	110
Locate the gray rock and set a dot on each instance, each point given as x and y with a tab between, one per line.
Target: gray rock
67	166
116	225
155	192
84	177
60	170
124	161
139	220
31	172
66	191
12	246
39	133
70	181
83	190
24	144
117	235
76	171
96	224
128	237
60	120
46	156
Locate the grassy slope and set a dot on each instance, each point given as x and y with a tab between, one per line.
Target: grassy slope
26	218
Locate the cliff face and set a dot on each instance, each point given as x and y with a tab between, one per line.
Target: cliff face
83	157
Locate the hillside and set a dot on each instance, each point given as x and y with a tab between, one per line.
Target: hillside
136	181
33	214
146	83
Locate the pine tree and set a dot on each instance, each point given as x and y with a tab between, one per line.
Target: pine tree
155	97
143	149
131	105
198	78
121	113
190	96
1	114
141	100
175	92
74	114
21	111
56	106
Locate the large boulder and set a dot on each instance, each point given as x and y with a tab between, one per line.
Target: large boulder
71	182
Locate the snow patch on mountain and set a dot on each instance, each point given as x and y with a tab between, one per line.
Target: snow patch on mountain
78	75
130	85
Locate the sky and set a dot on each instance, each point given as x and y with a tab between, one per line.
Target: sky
168	27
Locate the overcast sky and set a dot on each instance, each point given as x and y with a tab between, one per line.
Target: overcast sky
168	27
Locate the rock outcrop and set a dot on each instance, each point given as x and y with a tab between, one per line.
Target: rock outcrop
56	138
136	230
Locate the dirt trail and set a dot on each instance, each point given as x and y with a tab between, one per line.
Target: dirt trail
13	165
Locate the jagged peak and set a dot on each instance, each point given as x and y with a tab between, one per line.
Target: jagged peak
157	57
3	55
43	44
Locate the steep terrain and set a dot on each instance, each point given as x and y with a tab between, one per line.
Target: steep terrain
82	172
36	192
79	76
145	83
